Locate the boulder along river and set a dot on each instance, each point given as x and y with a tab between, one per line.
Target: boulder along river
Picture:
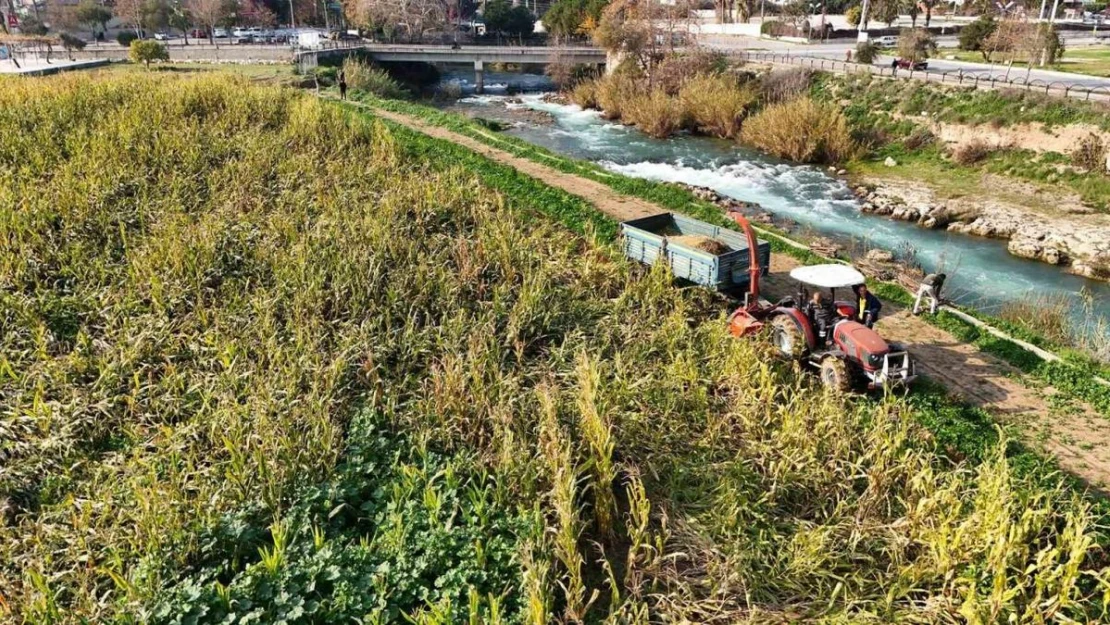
982	274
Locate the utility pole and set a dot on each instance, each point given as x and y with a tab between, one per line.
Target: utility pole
292	17
865	8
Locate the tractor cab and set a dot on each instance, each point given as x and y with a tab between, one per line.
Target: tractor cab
830	278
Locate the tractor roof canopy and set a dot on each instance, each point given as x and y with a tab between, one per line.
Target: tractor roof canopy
828	276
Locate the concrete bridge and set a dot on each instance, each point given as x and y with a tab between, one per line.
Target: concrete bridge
478	55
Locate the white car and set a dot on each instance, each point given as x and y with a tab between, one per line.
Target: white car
888	41
220	33
161	36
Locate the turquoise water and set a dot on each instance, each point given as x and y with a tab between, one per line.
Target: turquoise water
982	274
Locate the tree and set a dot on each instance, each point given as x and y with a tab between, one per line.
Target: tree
412	17
852	15
93	14
974	36
32	26
795	12
916	45
928	4
913	10
147	50
1005	39
502	17
130	12
1043	45
567	18
885	11
209	13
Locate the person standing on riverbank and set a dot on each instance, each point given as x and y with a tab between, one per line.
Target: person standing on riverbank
930	286
342	85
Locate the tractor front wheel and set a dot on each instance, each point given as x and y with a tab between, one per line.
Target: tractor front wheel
788	337
834	374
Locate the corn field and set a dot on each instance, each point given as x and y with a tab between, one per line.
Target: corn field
264	359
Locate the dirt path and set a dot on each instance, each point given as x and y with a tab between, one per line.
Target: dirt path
1073	434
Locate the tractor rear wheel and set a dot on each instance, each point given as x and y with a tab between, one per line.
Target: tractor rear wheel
788	337
834	374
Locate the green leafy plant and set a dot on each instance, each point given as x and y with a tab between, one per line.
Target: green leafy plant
147	51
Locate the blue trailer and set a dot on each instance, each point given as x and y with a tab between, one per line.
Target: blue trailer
650	238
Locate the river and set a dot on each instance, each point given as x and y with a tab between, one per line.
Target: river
982	274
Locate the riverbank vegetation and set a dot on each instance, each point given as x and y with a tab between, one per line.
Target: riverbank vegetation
281	361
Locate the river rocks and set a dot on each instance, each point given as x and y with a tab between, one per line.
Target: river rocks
728	204
1080	244
890	162
879	256
556	97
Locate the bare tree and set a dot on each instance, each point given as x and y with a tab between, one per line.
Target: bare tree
208	13
131	12
1005	41
413	18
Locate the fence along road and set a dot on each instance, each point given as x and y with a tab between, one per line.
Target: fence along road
1080	87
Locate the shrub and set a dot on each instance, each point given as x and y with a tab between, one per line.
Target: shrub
971	152
1090	154
70	43
852	15
772	28
613	92
327	76
676	69
125	37
361	76
584	94
866	52
975	34
716	105
146	51
786	84
801	130
916	44
567	75
919	138
656	113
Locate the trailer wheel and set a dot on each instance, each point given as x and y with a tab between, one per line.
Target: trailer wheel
834	374
788	337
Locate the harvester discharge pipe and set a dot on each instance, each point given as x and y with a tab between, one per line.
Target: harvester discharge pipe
753	258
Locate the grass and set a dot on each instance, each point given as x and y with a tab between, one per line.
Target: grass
281	361
1091	61
955	104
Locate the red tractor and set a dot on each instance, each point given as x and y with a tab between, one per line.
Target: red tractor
851	353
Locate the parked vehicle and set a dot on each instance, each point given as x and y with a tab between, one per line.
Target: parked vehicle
161	36
887	41
220	33
198	33
919	66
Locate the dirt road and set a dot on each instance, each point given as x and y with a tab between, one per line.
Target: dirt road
1073	434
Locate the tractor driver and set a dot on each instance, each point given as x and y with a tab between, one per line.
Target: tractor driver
821	310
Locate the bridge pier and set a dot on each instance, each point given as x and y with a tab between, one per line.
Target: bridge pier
479	77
